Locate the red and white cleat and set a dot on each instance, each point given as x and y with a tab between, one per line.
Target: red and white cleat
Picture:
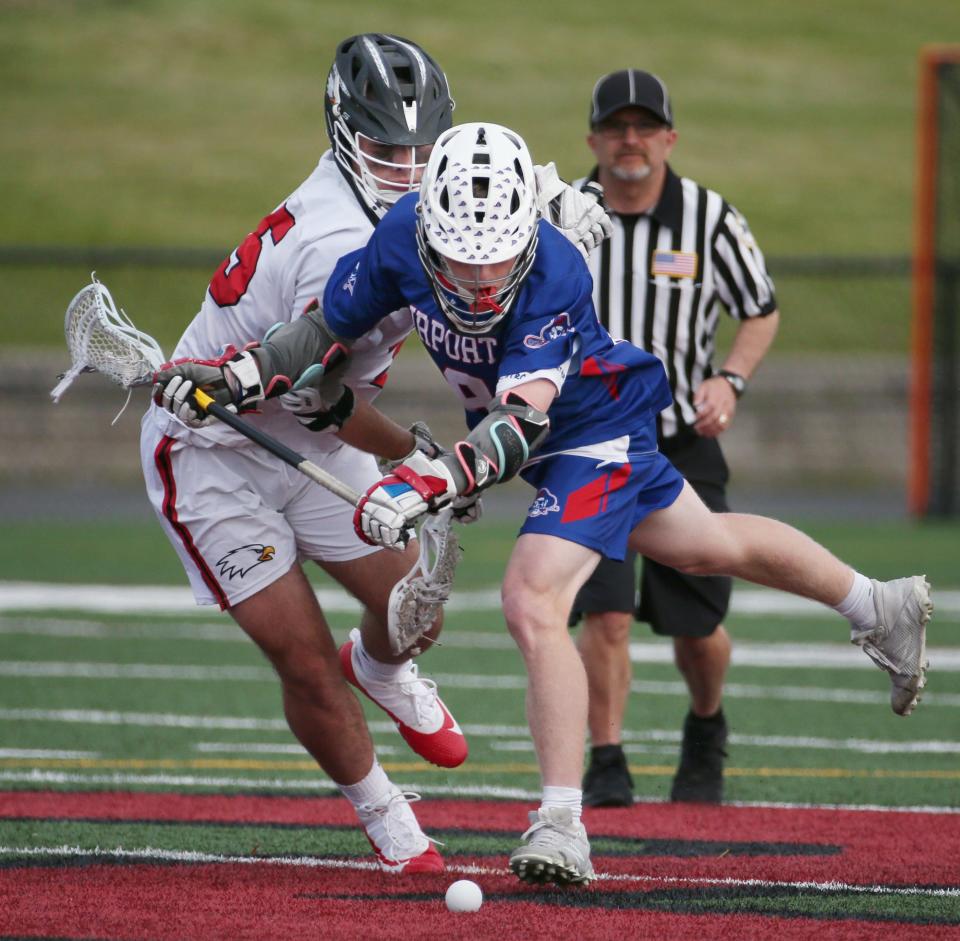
399	843
412	702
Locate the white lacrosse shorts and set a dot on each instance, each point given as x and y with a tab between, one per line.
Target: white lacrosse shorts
240	518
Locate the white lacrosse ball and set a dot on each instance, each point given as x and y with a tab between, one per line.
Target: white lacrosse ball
464	896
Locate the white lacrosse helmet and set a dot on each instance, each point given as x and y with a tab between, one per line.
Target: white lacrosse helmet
478	208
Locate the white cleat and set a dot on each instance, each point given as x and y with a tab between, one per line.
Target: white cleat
395	835
555	849
898	643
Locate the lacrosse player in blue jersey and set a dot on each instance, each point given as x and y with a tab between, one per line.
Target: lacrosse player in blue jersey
502	303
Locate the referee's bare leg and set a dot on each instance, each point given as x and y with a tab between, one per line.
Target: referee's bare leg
703	663
604	645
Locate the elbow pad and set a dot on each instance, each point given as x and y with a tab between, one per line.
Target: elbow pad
290	351
499	446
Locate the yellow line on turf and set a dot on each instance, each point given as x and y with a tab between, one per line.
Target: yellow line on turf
248	764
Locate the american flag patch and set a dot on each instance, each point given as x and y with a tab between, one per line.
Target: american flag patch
674	264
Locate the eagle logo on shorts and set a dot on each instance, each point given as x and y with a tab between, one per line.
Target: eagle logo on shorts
544	503
237	562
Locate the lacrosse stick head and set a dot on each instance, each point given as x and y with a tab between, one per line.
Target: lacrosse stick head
101	338
416	600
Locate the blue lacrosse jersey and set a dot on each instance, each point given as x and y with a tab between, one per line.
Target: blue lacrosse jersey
612	388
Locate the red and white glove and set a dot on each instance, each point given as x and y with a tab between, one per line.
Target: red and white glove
389	510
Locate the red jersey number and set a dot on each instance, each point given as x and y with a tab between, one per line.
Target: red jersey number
229	284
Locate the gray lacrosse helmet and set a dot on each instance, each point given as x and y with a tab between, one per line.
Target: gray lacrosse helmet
384	92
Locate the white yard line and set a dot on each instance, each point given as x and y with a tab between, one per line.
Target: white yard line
153	599
500	732
45	753
31	669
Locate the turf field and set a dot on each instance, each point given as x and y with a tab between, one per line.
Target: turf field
143	756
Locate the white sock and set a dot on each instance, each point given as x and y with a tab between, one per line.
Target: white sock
857	607
569	797
368	790
375	669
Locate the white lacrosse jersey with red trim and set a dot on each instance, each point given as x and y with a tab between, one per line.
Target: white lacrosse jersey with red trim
275	272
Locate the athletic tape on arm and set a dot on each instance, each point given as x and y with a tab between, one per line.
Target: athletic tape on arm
499	446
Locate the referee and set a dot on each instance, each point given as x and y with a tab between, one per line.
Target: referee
679	252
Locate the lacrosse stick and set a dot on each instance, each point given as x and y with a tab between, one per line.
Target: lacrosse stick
417	598
102	339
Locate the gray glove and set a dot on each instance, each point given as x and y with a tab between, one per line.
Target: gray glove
319	398
313	411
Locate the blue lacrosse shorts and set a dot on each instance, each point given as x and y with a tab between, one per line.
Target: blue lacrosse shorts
597	503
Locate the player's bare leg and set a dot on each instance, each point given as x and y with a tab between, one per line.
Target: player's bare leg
539	586
541	581
689	537
888	619
287	624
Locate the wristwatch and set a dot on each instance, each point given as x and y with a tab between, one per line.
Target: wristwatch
737	381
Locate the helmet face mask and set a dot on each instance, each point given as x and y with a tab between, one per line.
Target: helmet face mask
389	170
387	101
477	223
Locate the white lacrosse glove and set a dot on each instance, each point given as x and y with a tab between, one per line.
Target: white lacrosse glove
576	213
233	381
390	509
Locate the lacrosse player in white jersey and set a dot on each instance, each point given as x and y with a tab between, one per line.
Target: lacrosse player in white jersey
240	520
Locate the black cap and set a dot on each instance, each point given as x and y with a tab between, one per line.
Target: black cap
630	88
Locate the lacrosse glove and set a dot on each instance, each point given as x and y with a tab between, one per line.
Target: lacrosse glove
319	398
576	213
388	512
423	442
232	381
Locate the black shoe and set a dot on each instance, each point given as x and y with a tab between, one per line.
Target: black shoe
607	782
700	774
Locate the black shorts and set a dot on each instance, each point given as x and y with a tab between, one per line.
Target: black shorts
673	604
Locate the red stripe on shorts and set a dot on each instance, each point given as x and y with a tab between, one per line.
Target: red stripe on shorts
161	458
591	498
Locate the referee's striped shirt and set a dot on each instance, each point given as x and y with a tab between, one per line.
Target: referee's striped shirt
662	277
